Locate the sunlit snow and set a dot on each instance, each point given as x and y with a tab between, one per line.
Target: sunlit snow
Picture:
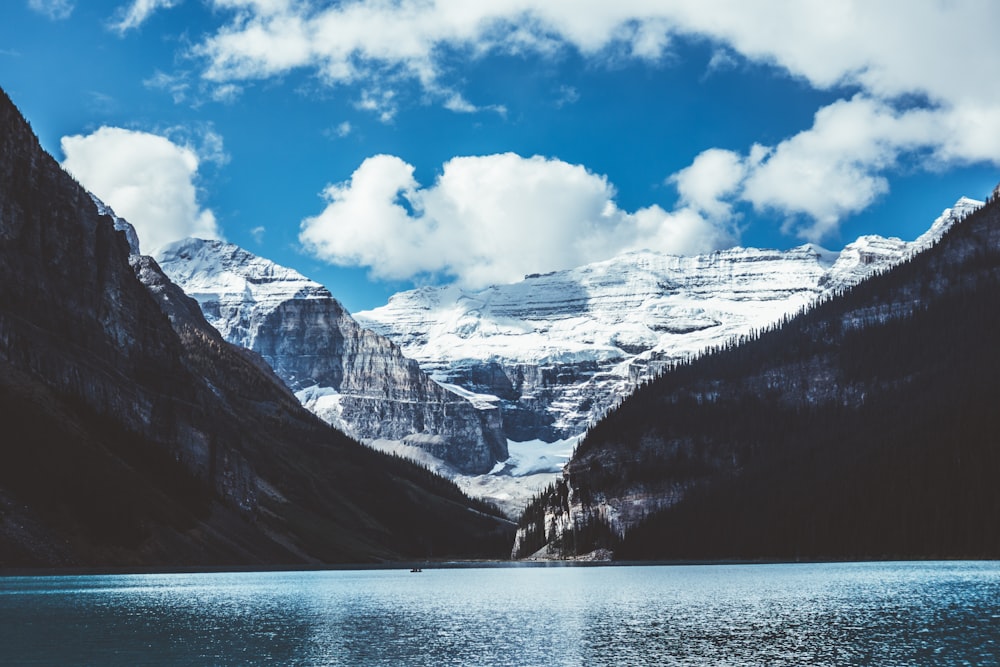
531	467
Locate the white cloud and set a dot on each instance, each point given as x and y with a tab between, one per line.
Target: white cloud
56	10
147	179
455	102
876	44
832	169
135	14
226	93
339	131
459	104
353	40
721	60
258	234
713	175
944	53
381	102
176	84
567	95
343	129
838	166
202	138
490	219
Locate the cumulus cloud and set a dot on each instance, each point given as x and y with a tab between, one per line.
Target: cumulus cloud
913	89
887	56
838	166
131	16
147	179
713	175
490	219
834	168
56	10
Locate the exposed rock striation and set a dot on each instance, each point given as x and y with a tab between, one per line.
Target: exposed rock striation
351	377
555	351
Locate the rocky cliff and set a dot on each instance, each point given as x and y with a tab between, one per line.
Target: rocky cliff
351	377
135	435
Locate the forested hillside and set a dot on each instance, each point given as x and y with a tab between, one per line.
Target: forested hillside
867	427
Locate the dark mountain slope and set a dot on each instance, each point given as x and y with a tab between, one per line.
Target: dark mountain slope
867	427
132	434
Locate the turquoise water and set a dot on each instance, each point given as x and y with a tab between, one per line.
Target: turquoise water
827	614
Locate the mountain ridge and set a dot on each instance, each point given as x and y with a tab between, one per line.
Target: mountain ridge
135	436
552	367
556	350
349	376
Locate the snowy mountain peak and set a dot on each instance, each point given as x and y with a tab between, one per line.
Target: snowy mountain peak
230	283
350	377
556	349
963	207
606	310
823	256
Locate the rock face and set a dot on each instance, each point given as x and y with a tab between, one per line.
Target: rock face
135	435
351	377
555	351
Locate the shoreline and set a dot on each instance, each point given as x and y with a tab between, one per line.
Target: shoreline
440	565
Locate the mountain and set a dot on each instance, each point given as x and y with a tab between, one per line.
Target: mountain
556	351
351	377
866	427
135	435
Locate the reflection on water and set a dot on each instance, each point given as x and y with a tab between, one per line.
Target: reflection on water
840	614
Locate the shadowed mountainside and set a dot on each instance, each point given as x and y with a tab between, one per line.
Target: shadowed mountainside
865	428
134	435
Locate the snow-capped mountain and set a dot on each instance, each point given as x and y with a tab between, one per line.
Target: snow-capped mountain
351	377
554	351
840	419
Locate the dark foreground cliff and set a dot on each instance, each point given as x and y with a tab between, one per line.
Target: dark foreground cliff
134	435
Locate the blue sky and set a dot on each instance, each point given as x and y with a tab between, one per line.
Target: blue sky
375	146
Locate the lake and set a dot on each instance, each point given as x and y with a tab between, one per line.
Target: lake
828	614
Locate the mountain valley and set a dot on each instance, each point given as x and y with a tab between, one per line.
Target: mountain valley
207	407
520	371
